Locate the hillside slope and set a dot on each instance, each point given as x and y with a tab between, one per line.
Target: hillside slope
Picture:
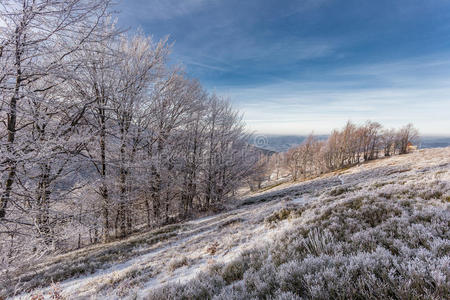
376	230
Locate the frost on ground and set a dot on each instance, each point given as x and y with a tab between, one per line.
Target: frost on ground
378	230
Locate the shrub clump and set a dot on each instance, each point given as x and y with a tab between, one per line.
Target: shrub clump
362	247
177	263
212	249
338	191
283	214
277	216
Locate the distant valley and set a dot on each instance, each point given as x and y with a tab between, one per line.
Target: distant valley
281	143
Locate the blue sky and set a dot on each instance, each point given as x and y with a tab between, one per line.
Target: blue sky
293	67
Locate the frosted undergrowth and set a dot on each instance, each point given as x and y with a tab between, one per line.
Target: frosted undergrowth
377	230
382	234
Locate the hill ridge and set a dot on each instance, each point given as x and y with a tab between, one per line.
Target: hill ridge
177	253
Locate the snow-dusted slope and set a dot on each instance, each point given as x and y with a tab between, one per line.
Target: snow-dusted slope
175	254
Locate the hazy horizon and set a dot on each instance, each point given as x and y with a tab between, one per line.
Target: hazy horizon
282	143
327	134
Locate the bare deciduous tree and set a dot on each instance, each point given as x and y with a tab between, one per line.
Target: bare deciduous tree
347	147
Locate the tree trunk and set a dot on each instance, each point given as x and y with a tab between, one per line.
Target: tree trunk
11	126
104	188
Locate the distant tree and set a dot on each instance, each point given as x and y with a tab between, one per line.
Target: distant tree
407	134
347	147
261	172
276	162
388	141
371	136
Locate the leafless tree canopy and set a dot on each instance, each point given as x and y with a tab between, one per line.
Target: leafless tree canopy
98	135
347	147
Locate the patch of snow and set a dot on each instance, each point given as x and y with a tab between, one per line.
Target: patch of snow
300	200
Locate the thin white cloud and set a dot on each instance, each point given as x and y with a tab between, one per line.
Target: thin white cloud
162	9
205	66
279	86
406	95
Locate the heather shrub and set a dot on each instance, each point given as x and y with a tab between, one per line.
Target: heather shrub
261	283
338	191
360	247
179	262
234	270
255	258
280	215
204	286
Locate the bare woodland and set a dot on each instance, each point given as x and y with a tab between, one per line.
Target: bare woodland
99	136
344	148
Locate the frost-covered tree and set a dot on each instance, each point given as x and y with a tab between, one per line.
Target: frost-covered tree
407	134
40	118
388	141
99	135
37	39
343	148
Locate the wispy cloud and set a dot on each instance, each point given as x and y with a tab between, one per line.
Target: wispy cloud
157	10
401	95
206	66
321	111
297	66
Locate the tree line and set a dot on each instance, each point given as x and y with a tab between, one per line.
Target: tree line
343	148
99	135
